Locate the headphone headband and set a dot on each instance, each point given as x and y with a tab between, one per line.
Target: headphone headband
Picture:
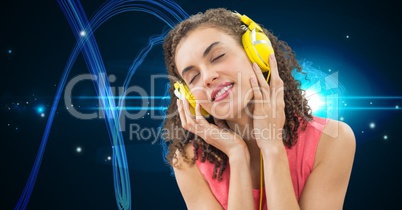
248	22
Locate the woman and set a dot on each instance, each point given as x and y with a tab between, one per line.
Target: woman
260	147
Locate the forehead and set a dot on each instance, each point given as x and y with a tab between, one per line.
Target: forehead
194	44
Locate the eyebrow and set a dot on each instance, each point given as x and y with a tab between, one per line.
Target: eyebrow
206	51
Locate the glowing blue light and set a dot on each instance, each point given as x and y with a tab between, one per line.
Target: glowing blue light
372	125
323	91
10	51
83	33
78	149
40	109
385	137
314	100
130	108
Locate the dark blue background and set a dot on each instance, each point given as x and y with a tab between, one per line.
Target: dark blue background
40	38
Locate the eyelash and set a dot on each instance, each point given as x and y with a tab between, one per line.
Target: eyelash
194	78
218	57
211	62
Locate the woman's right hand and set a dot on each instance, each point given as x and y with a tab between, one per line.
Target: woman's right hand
219	135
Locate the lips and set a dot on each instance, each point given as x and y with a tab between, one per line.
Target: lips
219	88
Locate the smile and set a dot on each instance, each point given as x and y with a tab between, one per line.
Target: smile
222	93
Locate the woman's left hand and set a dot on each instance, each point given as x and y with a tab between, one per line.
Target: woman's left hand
269	105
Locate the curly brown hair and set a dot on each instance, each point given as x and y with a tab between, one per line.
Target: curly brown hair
297	112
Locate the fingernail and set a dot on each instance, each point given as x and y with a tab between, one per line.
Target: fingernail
253	79
255	66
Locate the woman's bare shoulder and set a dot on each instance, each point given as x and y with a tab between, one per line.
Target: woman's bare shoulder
328	181
193	187
337	141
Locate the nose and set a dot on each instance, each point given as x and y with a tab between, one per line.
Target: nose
210	77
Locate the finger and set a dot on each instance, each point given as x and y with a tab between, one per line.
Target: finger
279	94
221	123
204	127
197	123
198	115
264	87
190	122
278	103
260	76
181	112
277	87
186	106
276	80
258	100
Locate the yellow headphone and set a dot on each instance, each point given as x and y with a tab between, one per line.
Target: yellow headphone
258	49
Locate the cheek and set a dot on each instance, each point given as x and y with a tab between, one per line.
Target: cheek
201	95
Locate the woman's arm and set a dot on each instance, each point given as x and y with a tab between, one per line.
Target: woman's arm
240	185
327	184
278	183
269	112
196	191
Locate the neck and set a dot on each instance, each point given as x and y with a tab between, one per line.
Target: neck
243	126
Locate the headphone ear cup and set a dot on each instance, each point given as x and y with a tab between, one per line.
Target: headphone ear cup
258	48
181	91
256	44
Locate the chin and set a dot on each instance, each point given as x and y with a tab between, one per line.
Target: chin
226	110
231	108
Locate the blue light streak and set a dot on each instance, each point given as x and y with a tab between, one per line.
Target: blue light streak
170	13
124	97
87	45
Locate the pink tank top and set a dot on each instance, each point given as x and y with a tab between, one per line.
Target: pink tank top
301	161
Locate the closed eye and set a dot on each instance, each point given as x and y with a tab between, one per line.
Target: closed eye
194	78
220	56
217	58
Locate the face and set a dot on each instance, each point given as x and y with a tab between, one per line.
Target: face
217	70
